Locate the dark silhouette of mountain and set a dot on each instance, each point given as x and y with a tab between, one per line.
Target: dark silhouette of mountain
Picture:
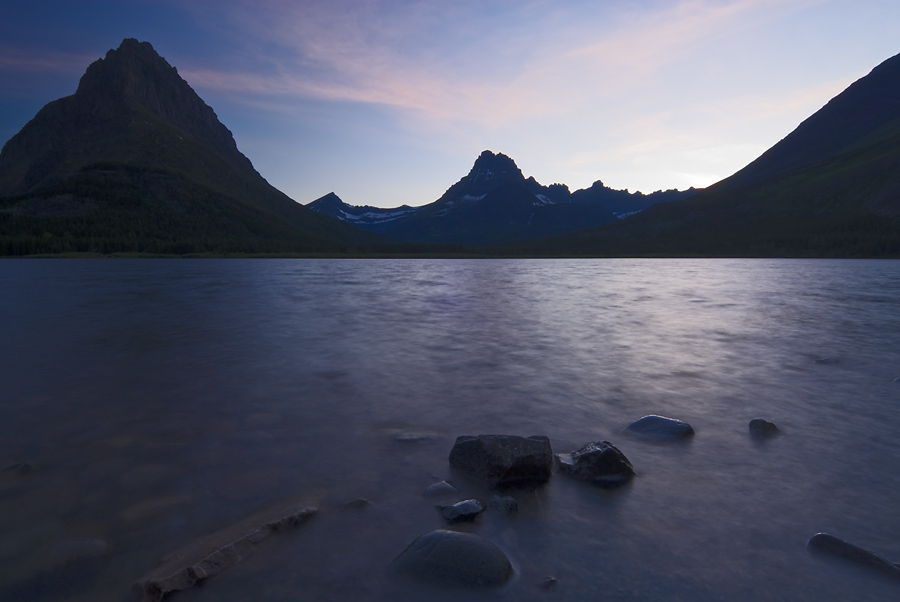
830	188
364	216
494	203
135	161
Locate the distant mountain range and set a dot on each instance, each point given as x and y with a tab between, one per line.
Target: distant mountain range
495	203
135	161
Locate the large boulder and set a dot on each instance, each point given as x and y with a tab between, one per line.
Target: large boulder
600	462
503	459
456	560
660	428
834	546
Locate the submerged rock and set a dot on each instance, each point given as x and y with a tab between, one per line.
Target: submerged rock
218	551
506	505
19	468
423	437
441	488
660	428
762	429
464	510
834	546
451	559
600	462
503	459
358	504
548	583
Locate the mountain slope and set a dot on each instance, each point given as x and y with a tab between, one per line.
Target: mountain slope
136	161
830	188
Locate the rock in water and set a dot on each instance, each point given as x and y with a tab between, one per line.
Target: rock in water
503	459
464	510
660	428
600	462
457	560
505	505
441	488
829	544
218	551
762	429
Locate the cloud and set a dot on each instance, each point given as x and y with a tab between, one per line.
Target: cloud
482	72
43	61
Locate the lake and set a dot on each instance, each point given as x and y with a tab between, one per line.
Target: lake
155	401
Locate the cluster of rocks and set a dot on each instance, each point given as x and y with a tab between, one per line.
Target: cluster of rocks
452	559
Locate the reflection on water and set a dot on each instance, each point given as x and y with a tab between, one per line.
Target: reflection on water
156	401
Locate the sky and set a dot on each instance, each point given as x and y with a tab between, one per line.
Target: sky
389	102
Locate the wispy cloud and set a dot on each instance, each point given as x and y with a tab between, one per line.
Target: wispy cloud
365	54
42	61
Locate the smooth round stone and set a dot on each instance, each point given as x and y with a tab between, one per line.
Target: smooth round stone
660	428
452	559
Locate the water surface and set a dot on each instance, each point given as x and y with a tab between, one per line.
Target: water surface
159	400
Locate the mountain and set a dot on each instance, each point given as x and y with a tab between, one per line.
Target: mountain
494	203
365	217
831	188
135	161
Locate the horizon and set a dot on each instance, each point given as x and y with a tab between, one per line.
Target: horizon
390	103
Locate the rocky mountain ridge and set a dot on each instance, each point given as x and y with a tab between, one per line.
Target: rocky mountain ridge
494	203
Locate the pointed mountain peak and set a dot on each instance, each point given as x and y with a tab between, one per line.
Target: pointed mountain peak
123	111
129	71
497	167
489	171
327	202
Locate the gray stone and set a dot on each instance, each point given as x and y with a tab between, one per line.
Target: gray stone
219	551
660	428
451	559
762	429
834	546
503	459
441	488
600	462
462	511
504	505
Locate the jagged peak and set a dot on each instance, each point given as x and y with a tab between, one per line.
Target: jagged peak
127	70
495	166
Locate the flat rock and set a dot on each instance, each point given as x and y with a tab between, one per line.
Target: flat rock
600	462
660	428
220	550
503	459
762	429
452	559
462	511
834	546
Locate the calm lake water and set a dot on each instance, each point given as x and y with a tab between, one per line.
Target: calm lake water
160	400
